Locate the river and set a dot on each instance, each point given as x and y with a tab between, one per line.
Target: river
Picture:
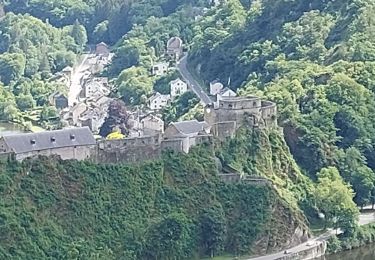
9	128
362	253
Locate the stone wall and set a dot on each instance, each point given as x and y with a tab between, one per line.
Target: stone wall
309	253
173	144
133	150
66	153
128	150
223	130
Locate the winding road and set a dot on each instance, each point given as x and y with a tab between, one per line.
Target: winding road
192	82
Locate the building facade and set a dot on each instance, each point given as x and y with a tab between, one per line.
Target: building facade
158	101
160	69
178	87
71	143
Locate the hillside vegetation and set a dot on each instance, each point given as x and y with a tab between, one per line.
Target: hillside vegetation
315	60
175	208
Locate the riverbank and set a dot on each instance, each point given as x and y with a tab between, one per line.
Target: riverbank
364	236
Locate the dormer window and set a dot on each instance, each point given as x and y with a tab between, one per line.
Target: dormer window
32	141
53	139
72	137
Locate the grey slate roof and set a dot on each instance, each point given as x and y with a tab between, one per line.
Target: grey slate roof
190	127
22	143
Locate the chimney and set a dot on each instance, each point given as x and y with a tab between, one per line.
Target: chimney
72	137
53	139
32	141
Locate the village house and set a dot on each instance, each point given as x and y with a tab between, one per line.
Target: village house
188	131
178	87
75	113
158	101
93	88
71	143
160	69
67	71
93	119
58	100
152	124
215	87
102	49
174	48
95	114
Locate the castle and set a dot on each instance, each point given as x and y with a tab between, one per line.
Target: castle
221	120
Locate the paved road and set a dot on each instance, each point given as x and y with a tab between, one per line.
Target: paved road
75	81
193	84
364	218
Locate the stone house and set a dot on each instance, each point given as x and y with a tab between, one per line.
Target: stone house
152	124
93	119
160	69
175	48
93	88
187	131
58	100
71	143
102	49
178	87
215	87
76	112
67	71
158	101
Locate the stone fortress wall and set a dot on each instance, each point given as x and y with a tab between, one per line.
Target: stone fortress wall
224	119
232	112
132	150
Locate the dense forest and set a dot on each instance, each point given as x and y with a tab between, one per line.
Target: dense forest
314	58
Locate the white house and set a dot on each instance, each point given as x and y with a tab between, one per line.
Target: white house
178	87
158	101
159	69
226	92
93	88
215	87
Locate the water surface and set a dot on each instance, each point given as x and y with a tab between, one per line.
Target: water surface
362	253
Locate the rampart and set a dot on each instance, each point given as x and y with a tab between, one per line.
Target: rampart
133	150
128	150
230	113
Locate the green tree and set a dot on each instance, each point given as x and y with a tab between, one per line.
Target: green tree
12	67
353	167
170	238
25	102
133	83
48	112
335	199
213	231
79	34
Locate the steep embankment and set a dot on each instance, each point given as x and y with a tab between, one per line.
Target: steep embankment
173	208
315	59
